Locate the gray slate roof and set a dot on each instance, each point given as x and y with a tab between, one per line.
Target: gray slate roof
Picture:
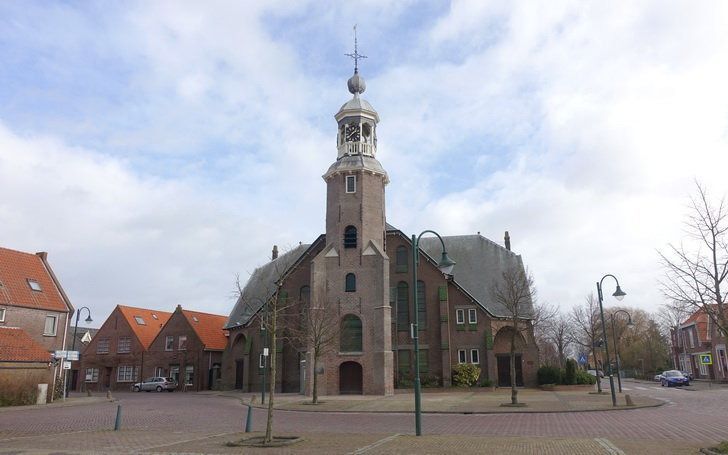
479	263
261	286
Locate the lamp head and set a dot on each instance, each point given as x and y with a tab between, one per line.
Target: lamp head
619	293
89	320
446	264
630	324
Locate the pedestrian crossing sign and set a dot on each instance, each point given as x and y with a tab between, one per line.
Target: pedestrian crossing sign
706	359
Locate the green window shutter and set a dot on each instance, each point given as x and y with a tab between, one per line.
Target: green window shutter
442	293
403	316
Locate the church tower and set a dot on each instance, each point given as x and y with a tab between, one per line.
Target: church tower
350	276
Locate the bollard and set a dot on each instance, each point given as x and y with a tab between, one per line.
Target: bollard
117	424
628	399
249	420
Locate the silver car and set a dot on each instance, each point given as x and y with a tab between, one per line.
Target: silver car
157	383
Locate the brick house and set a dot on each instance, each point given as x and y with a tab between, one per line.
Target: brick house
24	363
361	270
695	336
33	300
188	348
115	357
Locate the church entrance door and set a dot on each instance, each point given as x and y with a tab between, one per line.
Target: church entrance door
239	370
504	370
350	378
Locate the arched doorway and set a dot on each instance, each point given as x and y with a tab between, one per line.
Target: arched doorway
350	378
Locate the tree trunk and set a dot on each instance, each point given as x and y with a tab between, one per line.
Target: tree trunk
514	391
596	370
272	386
315	377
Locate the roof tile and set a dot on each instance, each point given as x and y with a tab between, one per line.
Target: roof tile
17	346
16	268
148	330
209	328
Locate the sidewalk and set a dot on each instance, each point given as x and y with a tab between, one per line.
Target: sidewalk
60	403
455	402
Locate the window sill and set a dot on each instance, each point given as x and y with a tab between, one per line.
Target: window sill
49	335
357	353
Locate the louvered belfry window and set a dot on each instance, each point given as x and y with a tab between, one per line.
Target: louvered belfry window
350	237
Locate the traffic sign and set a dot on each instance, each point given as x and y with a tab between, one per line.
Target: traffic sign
66	365
68	355
582	359
706	359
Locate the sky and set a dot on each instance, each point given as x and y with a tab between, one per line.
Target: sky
158	149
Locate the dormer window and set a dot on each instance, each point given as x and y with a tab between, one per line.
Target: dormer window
194	318
154	316
34	285
139	320
351	183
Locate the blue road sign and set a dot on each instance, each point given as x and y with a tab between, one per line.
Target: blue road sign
706	359
582	359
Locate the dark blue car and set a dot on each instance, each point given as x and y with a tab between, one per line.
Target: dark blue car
673	378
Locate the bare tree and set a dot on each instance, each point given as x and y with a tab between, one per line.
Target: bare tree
316	330
696	270
586	329
558	333
670	316
516	293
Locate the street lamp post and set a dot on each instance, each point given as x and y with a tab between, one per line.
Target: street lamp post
445	265
264	337
619	295
88	320
616	346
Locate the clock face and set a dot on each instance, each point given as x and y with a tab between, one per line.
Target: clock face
352	133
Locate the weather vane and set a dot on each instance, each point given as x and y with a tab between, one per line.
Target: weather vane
356	55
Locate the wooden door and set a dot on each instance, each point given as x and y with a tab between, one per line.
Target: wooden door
350	378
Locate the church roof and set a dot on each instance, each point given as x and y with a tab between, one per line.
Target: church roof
480	264
357	104
262	285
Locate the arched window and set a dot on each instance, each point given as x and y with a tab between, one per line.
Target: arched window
402	306
421	305
304	294
350	237
350	283
350	334
402	259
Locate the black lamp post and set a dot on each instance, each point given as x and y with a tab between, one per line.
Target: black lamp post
619	295
616	346
75	329
445	265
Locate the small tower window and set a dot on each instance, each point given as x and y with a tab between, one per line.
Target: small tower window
351	334
351	183
350	285
402	259
350	237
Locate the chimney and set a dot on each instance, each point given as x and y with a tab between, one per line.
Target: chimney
507	239
274	255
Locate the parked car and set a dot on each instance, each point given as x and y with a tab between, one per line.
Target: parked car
688	375
658	377
157	383
594	373
673	378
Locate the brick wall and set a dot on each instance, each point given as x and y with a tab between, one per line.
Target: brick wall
33	322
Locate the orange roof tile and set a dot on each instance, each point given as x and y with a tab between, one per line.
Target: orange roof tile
16	269
149	324
208	328
700	319
17	346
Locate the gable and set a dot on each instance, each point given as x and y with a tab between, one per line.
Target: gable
17	271
153	321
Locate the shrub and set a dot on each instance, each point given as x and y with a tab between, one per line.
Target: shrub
570	372
405	383
430	381
21	389
486	382
465	375
549	375
582	377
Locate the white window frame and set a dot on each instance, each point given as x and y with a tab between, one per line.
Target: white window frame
103	342
126	344
189	374
182	343
126	373
475	360
2	314
459	316
702	367
159	371
462	356
140	320
55	325
34	285
92	375
472	316
350	178
169	343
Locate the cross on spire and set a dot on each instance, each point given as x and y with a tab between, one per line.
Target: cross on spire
356	55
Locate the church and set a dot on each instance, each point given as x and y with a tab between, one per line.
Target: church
359	274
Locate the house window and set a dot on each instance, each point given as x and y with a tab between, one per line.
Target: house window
92	375
703	367
125	373
402	306
462	356
174	373
350	237
124	345
182	346
189	374
474	356
169	343
102	347
139	320
421	306
159	371
691	338
350	285
351	334
403	362
401	260
460	316
34	285
472	316
51	322
2	314
351	183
